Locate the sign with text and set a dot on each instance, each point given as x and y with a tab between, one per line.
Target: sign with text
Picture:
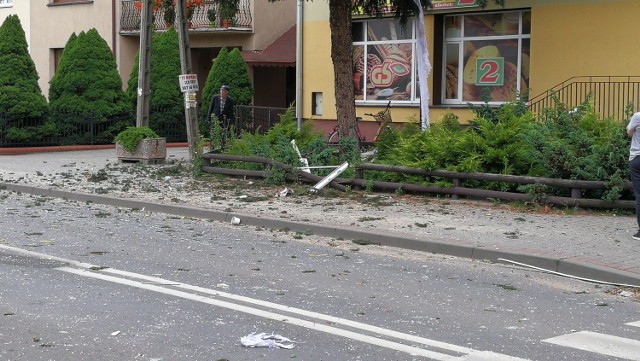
490	71
188	82
452	4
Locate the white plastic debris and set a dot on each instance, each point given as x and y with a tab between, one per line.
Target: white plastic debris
224	286
285	192
626	294
235	221
264	340
303	161
115	333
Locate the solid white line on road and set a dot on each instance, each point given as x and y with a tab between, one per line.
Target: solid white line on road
415	351
599	343
636	324
293	310
158	285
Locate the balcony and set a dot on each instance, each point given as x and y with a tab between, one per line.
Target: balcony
198	21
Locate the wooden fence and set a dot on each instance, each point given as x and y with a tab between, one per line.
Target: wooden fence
359	181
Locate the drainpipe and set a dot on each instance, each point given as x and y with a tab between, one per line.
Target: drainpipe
114	30
299	64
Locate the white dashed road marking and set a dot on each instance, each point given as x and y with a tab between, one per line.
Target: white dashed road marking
615	346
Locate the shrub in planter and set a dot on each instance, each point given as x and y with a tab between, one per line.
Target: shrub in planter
131	137
140	143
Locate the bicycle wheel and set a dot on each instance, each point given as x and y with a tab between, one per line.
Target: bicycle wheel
334	138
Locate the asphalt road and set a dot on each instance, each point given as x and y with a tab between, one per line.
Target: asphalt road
83	281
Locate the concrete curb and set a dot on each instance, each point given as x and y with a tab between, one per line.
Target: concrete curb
573	266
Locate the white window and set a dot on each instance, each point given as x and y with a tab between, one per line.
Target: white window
6	2
383	61
486	57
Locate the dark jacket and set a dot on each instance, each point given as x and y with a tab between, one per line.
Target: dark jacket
226	114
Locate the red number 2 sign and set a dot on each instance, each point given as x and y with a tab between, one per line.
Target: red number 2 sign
490	71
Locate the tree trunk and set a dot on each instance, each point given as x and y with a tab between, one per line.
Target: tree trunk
341	55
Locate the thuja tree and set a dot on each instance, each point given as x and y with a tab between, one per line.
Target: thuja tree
57	82
166	115
90	104
229	68
240	83
216	78
23	108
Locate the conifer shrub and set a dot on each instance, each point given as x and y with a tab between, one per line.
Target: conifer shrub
23	107
561	143
131	137
88	93
276	144
212	87
229	68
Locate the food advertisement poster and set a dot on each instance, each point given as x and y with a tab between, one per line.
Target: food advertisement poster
499	64
383	68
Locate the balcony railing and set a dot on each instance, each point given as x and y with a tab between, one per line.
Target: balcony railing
610	95
198	21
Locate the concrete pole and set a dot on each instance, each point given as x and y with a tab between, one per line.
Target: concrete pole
144	69
191	108
299	59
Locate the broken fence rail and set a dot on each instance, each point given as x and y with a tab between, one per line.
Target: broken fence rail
341	184
291	173
576	186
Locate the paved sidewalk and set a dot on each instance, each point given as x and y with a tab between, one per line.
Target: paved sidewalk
593	246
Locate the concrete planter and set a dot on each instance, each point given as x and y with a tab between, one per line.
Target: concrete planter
148	151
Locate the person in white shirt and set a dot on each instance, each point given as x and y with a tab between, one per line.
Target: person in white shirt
633	130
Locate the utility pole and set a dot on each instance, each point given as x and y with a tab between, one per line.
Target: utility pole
144	69
188	81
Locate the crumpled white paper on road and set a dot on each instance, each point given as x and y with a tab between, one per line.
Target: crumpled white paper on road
264	340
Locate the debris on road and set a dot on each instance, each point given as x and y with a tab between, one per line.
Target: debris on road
285	192
264	340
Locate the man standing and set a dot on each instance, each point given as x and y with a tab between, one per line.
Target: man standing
223	109
633	129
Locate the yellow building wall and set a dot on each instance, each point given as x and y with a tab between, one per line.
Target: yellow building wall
583	39
569	38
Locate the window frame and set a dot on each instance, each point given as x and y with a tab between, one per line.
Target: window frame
366	43
460	40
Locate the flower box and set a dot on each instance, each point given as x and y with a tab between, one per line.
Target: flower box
149	150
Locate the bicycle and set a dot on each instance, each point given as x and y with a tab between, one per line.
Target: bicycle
382	118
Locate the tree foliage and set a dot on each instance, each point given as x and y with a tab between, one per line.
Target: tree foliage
87	92
229	68
22	103
568	145
240	83
215	79
56	85
91	82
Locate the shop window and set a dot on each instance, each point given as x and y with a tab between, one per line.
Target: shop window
485	57
6	3
383	65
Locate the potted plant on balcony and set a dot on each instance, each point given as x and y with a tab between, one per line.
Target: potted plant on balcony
140	144
228	10
211	15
